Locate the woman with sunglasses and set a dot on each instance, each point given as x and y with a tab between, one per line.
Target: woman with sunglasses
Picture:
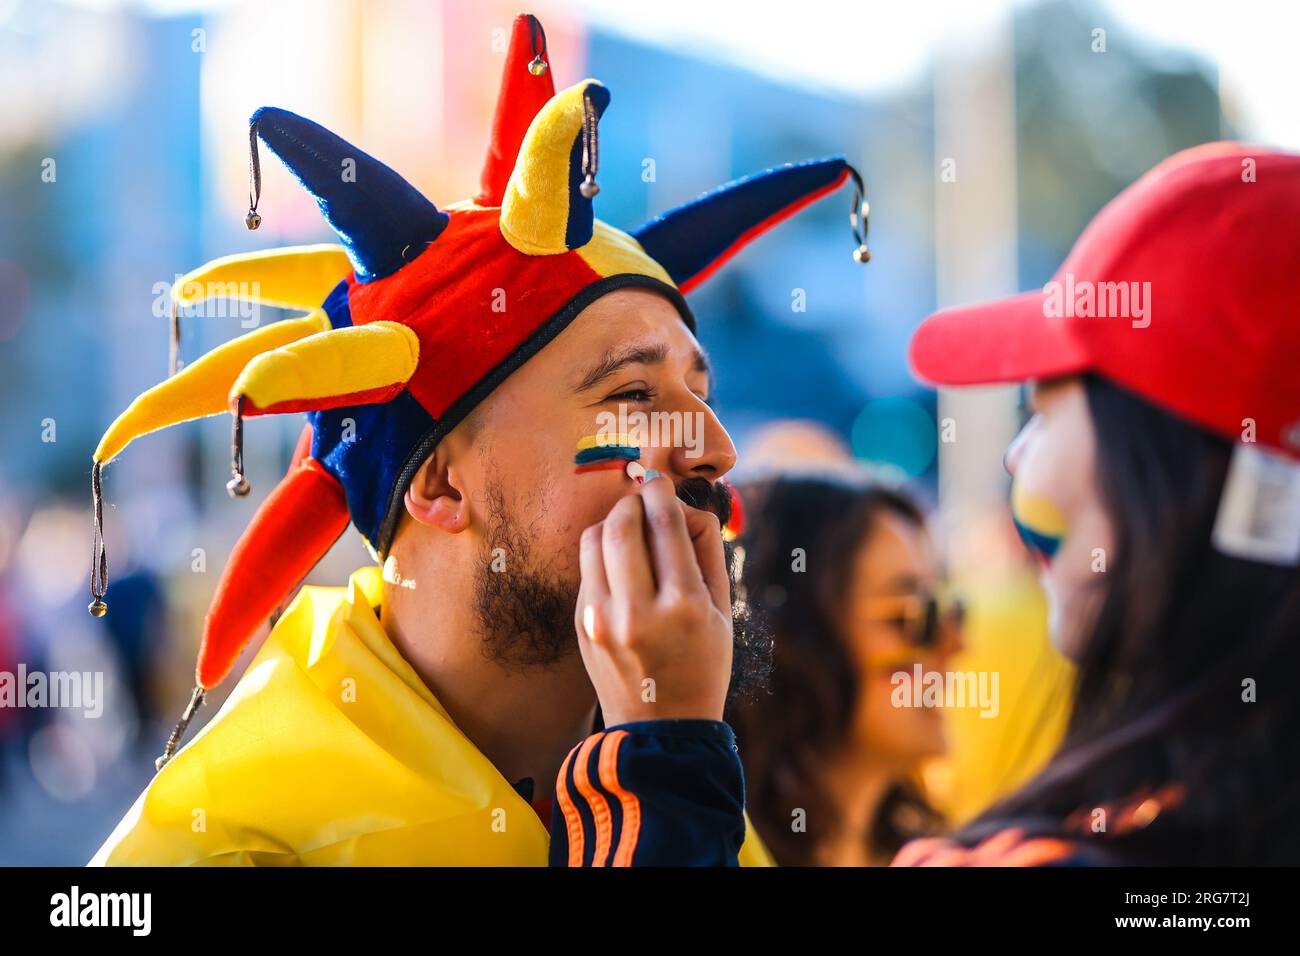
845	575
1158	482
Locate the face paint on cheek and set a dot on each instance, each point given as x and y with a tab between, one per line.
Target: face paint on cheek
604	453
1040	523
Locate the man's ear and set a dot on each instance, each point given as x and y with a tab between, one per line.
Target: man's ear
434	497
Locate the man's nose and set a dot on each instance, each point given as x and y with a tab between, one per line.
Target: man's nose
695	446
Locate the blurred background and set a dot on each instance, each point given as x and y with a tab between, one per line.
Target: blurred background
988	135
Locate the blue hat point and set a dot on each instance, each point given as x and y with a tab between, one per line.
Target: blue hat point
382	220
694	239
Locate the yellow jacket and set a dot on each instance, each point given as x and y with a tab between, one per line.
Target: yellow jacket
330	751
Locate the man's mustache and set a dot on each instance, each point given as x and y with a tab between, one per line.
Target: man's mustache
707	495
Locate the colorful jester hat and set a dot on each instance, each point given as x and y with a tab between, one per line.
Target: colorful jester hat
403	333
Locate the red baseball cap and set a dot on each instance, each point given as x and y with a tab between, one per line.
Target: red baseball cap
1184	289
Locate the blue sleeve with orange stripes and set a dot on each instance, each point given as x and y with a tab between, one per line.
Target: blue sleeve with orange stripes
651	793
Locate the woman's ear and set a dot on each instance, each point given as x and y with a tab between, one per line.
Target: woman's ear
433	498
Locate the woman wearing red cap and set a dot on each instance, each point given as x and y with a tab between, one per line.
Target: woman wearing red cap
1158	482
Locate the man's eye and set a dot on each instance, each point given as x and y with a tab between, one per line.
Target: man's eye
632	395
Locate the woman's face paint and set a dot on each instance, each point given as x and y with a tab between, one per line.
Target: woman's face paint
1059	512
604	453
1038	520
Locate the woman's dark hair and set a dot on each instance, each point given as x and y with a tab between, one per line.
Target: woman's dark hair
1182	680
787	735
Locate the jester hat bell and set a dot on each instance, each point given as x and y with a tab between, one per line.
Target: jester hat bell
402	332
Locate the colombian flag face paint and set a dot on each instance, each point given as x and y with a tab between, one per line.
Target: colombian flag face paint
604	453
1038	520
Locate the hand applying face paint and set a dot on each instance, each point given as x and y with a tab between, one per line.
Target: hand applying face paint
654	610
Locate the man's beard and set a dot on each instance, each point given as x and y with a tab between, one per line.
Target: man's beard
525	609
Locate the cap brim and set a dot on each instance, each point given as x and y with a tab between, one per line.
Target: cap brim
1009	340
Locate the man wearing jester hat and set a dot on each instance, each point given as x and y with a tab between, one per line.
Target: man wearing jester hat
527	678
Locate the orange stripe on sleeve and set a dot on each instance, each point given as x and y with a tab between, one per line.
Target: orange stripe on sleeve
572	821
600	814
631	805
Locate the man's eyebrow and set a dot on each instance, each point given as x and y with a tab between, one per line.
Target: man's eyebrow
616	359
